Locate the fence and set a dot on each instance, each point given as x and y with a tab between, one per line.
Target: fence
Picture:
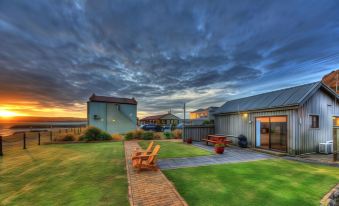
24	140
198	132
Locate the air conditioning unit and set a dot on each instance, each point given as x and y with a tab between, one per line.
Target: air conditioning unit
326	148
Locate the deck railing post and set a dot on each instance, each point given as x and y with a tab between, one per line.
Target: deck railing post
24	141
39	136
1	153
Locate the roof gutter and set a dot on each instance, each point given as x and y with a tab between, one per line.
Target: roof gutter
289	107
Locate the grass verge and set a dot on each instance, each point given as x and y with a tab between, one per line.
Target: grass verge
266	182
70	174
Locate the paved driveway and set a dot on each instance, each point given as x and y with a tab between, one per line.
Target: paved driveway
231	155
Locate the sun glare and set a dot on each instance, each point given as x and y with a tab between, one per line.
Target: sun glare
6	113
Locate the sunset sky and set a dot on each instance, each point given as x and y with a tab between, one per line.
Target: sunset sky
55	54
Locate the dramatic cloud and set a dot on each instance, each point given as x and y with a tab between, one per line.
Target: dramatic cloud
55	54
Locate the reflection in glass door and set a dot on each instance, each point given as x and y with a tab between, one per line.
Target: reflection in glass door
263	128
271	133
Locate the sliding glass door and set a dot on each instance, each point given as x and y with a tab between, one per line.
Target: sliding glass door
271	133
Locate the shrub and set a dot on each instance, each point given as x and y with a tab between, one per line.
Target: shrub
148	135
68	137
93	133
138	133
117	137
168	135
205	122
158	135
104	136
129	135
177	133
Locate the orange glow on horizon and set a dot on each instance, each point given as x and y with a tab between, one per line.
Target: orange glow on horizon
8	113
34	109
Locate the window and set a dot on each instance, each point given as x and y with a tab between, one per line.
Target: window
314	121
336	121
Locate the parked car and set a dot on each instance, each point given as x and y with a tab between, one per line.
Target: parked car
152	127
166	128
180	126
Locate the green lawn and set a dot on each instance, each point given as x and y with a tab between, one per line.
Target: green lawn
72	174
266	182
176	149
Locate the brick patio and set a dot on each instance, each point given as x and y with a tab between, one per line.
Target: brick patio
149	187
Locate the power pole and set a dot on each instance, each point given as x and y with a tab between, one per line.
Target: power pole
183	127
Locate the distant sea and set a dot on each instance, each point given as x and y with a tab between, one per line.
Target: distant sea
11	128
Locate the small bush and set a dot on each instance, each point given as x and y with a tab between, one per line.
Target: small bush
117	137
148	135
168	135
177	134
138	133
68	137
129	136
158	135
206	122
104	136
93	133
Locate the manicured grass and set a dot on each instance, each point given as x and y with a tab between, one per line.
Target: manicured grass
72	174
176	149
266	182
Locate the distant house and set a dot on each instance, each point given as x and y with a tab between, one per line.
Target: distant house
293	120
332	80
198	116
112	114
162	119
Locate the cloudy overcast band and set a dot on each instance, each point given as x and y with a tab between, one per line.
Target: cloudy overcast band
55	54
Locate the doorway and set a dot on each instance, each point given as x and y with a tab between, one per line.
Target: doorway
271	133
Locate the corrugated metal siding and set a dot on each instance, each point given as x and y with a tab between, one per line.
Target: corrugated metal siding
318	104
236	124
232	125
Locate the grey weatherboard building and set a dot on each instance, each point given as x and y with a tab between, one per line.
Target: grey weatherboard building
112	114
293	120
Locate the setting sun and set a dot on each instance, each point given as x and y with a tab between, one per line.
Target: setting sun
6	113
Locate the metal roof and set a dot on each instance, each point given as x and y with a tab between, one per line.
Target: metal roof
95	98
293	96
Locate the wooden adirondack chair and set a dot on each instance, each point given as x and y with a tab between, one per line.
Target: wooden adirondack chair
146	161
143	152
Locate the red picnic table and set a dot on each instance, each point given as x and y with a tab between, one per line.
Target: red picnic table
217	138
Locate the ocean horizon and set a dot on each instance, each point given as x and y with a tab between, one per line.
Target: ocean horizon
12	128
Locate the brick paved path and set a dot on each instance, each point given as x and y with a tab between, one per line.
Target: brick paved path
149	188
231	155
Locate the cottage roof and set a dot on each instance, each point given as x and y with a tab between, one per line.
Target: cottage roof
156	117
293	96
95	98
